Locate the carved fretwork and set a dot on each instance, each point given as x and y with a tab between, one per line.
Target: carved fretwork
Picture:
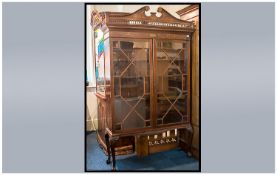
139	20
97	18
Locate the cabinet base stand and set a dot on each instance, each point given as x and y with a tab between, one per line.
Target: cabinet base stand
153	142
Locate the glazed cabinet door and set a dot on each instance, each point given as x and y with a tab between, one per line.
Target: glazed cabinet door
172	81
131	99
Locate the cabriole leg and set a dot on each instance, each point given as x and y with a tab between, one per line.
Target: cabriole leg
107	140
113	155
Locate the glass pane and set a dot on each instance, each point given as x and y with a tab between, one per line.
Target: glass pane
107	61
133	121
185	55
147	85
143	107
121	109
181	104
116	86
120	61
185	82
163	106
172	117
171	81
132	83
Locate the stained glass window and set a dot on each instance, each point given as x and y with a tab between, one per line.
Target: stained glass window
100	60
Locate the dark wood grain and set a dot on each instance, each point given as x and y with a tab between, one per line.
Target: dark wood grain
123	31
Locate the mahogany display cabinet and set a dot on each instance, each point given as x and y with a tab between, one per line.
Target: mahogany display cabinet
143	81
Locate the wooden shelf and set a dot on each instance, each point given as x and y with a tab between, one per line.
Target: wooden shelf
170	59
119	49
176	75
161	93
131	77
170	49
130	98
122	60
129	86
173	75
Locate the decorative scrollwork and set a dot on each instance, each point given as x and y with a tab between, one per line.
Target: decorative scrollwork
97	18
162	141
139	19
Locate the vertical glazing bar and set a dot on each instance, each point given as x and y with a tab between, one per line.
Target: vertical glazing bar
183	86
144	85
188	48
119	82
112	82
154	81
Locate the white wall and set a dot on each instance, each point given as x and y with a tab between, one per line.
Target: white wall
91	111
89	44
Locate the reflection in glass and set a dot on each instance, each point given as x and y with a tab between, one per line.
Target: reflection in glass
171	81
131	84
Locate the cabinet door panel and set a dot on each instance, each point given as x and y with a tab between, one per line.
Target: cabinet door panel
171	81
131	79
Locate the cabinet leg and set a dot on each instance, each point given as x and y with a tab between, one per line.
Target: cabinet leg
185	140
113	156
190	137
107	140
